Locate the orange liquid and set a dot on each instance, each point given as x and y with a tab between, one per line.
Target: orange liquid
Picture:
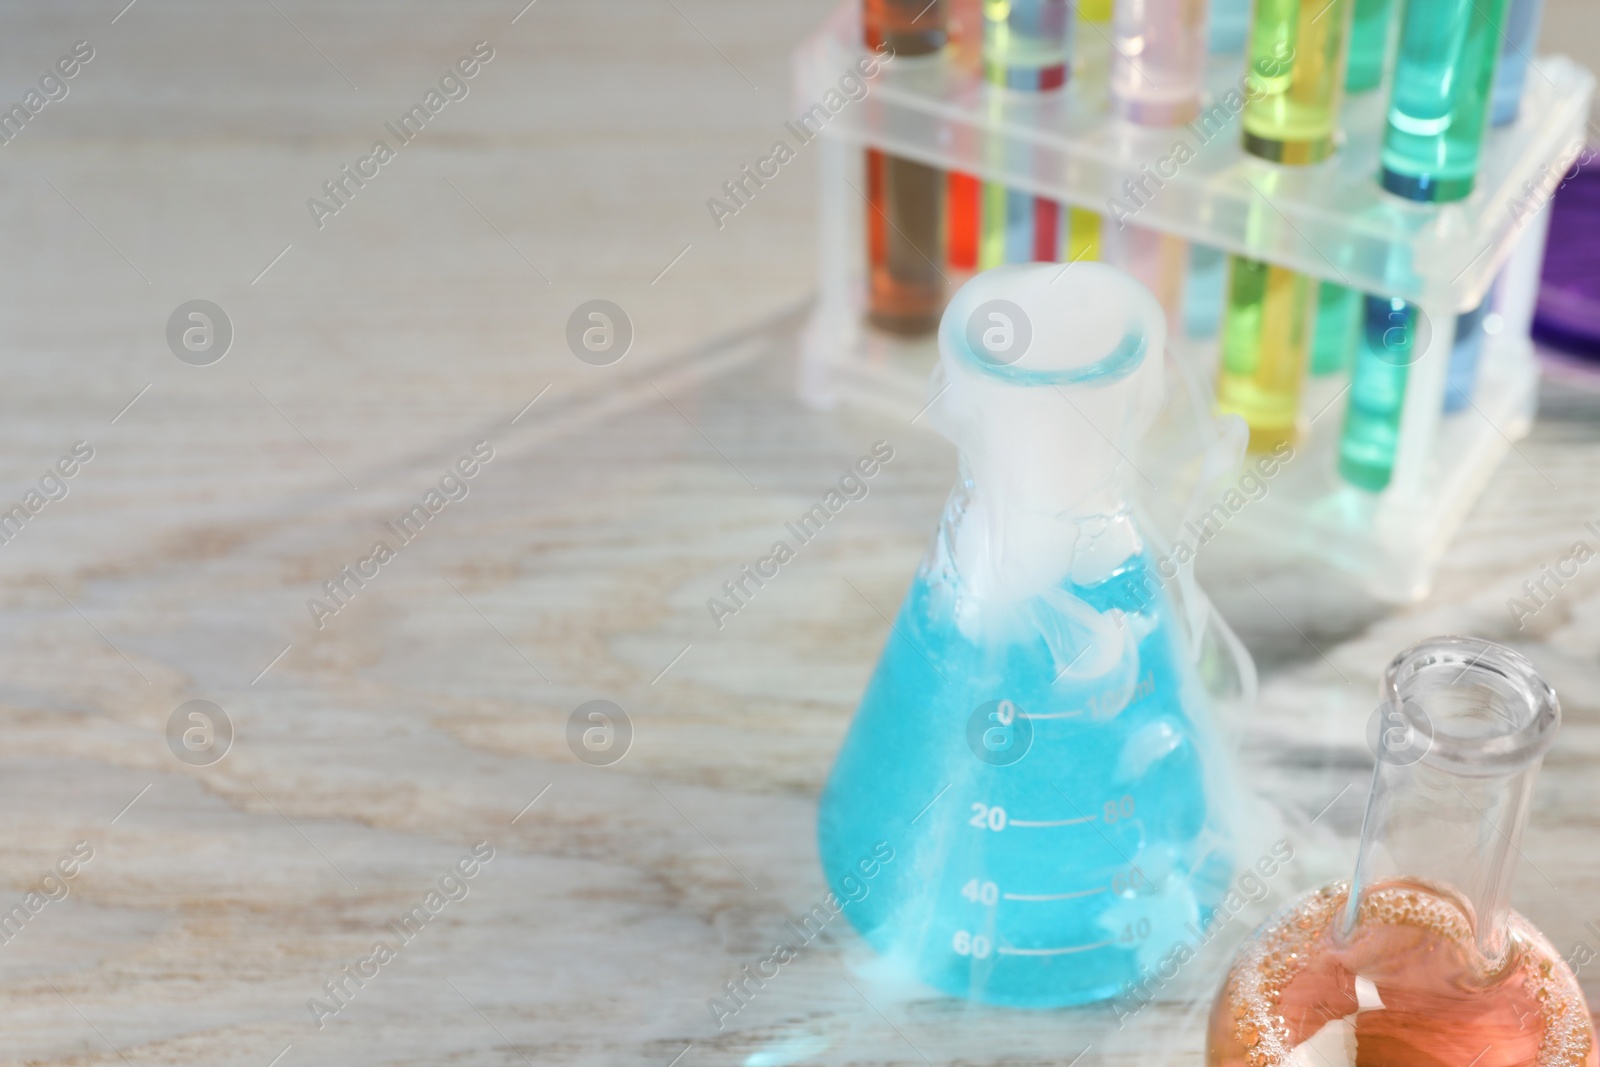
905	224
962	225
1442	1003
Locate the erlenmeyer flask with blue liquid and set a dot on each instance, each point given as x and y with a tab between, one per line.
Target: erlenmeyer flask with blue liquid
1036	743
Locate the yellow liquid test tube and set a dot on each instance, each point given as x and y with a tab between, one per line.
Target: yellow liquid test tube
1266	331
1082	226
1083	235
1296	77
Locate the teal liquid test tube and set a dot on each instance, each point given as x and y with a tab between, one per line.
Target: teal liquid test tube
1521	37
1439	105
1203	291
1227	26
1334	339
1371	437
1371	34
1432	149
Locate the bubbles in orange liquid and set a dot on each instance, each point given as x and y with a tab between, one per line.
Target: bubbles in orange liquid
1442	1003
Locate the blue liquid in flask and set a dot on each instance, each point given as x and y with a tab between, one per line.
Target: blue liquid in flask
1043	783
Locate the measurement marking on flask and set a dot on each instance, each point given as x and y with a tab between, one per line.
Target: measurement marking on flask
1007	951
1055	896
1052	822
1051	714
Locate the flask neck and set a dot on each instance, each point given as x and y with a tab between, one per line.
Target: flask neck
1048	379
1462	729
1007	551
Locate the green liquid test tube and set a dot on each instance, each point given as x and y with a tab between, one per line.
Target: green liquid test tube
1439	105
1369	44
1378	391
1338	326
1265	334
1296	73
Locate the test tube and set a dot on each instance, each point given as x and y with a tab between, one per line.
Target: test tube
1092	50
1081	227
1018	227
1461	379
1371	433
963	192
1081	241
1265	332
964	197
964	35
1337	330
1370	35
1227	26
1297	53
1161	87
906	289
1439	105
1521	36
1203	291
1157	259
1391	340
1026	45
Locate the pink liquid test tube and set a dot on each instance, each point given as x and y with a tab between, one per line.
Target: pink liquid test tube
1158	260
1158	60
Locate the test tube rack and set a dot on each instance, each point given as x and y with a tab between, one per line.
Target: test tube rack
1330	221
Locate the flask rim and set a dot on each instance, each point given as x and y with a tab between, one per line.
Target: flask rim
1513	742
1123	359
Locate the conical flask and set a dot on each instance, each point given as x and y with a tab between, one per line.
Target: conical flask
1033	749
1420	961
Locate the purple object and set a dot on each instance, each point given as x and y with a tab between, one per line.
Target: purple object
1568	312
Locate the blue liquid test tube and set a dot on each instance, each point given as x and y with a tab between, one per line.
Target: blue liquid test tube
1466	350
1521	38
